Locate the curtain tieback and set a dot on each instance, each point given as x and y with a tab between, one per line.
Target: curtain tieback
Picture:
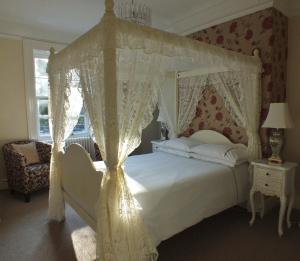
57	146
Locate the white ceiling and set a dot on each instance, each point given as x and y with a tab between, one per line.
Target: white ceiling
65	20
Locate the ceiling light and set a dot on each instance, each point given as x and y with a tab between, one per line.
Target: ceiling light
133	11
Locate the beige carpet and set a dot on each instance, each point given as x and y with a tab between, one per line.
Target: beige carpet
25	234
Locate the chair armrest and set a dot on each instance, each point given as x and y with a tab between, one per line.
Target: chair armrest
44	151
14	161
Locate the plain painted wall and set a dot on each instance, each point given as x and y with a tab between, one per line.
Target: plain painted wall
292	145
13	121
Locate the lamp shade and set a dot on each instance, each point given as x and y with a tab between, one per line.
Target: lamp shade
161	116
278	117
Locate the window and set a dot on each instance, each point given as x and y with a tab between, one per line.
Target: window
37	92
42	93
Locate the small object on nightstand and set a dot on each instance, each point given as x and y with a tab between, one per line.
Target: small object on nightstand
274	180
278	118
163	125
164	131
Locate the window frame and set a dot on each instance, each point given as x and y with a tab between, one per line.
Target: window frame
37	49
42	55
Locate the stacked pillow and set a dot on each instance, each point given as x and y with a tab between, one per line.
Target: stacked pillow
226	154
178	146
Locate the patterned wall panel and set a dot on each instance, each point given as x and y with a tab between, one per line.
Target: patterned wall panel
265	30
211	114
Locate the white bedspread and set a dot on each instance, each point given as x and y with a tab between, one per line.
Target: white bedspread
176	192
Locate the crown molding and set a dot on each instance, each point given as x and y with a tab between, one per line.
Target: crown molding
217	13
22	31
203	14
290	8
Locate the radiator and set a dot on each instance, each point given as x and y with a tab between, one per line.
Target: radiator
86	142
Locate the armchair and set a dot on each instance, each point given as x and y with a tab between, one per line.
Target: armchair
25	178
98	156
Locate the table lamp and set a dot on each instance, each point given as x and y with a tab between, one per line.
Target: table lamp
278	118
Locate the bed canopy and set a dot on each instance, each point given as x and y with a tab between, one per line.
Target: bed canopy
119	68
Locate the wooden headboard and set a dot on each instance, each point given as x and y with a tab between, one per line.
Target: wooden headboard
210	136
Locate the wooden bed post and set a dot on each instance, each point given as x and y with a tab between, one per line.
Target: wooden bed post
177	99
110	90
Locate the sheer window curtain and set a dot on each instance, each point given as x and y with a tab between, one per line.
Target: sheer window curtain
65	103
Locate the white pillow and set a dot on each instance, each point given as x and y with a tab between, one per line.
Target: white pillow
182	143
227	154
175	152
210	159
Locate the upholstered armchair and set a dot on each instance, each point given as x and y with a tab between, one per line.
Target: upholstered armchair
23	177
98	156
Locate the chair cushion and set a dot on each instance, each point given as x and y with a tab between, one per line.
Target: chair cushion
29	151
37	176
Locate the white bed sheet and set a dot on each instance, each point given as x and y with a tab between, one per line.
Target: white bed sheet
176	192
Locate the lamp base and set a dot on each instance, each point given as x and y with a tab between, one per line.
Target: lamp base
276	142
164	132
276	160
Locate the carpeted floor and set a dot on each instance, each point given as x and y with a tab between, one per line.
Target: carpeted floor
25	234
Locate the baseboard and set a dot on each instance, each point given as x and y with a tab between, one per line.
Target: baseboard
3	184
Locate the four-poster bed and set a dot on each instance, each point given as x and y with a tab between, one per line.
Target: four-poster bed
173	192
118	68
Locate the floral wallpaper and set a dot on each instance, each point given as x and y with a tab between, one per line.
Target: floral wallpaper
265	30
211	114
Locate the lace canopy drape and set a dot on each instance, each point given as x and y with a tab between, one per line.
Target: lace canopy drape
121	67
241	94
65	104
132	101
189	93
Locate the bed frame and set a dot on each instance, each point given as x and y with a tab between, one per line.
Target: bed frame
81	180
210	136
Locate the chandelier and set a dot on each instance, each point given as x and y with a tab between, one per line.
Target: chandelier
133	11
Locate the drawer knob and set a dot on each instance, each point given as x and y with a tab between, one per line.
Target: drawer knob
266	185
268	174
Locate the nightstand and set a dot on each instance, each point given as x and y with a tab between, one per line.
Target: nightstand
155	144
274	180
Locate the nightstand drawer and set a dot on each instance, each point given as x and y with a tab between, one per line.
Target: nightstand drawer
263	178
268	174
269	188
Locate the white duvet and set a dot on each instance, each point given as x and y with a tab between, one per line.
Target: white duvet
176	192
